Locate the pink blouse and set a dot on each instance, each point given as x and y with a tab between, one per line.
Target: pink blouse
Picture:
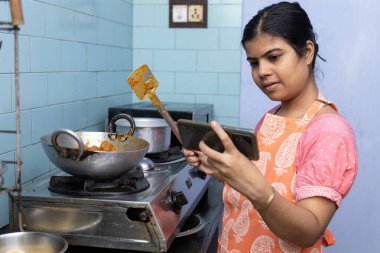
326	160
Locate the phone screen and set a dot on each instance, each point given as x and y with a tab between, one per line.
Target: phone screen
192	132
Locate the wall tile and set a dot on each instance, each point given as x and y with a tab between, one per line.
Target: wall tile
106	82
166	83
33	90
74	115
127	57
84	6
223	108
23	54
128	14
122	99
105	34
230	38
35	162
225	15
45	120
9	181
175	60
229	84
96	128
142	56
114	60
231	1
178	98
25	127
7	58
7	141
61	87
85	85
197	38
135	2
96	57
46	54
147	16
228	121
34	17
153	37
128	42
119	11
219	61
8	122
85	28
60	23
7	53
122	35
161	16
5	13
6	86
73	56
97	111
121	85
198	83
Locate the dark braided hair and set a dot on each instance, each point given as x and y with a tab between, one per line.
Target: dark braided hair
285	20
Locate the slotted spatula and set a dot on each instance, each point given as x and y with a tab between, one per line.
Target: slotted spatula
144	84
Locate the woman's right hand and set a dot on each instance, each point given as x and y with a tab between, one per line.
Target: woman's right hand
199	160
191	157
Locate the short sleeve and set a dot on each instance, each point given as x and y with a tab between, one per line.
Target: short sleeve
327	160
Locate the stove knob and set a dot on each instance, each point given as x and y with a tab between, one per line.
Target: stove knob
177	200
201	174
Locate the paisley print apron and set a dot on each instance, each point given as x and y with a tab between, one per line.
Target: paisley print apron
243	229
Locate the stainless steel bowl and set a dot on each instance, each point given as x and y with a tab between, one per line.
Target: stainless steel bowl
32	242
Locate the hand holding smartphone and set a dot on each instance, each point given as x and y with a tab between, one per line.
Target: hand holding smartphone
192	132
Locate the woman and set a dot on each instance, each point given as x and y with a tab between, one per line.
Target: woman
308	159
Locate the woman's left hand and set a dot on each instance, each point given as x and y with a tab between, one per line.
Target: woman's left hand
231	166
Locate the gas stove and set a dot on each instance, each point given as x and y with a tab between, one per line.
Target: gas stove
144	215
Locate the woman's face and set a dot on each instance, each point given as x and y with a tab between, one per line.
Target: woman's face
277	69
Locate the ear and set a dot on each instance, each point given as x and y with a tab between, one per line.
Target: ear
309	52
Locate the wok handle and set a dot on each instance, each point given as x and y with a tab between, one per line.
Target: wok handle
66	152
112	127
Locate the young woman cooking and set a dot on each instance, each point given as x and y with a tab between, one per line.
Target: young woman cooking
308	159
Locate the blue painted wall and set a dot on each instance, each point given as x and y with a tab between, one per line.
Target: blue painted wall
74	56
348	38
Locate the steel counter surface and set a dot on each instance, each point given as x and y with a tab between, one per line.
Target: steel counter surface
210	208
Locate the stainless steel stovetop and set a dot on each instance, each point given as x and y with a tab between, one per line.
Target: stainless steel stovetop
147	221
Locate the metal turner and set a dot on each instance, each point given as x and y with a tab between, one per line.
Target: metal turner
144	84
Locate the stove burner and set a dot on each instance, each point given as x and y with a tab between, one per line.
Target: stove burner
129	183
173	154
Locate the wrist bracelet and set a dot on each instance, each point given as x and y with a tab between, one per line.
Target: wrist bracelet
267	202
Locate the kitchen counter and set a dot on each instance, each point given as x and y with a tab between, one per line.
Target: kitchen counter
210	208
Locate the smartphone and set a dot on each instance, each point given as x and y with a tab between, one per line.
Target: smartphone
192	132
